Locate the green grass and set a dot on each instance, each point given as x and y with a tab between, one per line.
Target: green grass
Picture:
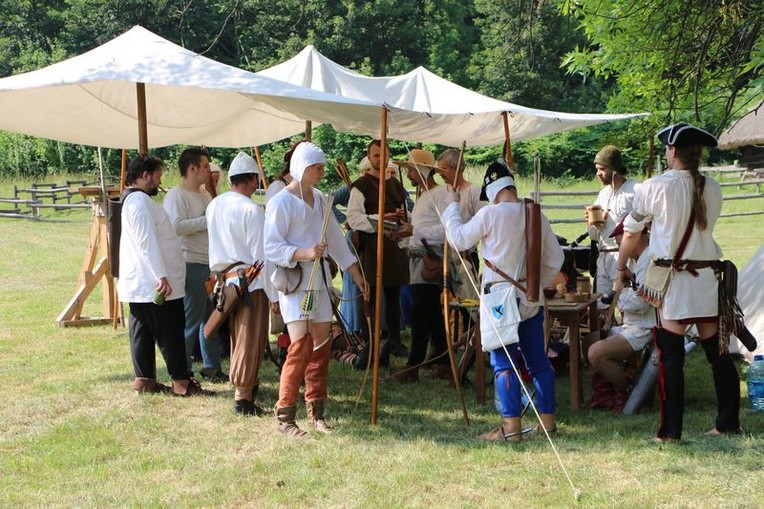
72	433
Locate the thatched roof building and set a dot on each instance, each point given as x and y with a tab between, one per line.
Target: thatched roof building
748	130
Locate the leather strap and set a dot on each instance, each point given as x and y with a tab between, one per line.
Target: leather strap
504	275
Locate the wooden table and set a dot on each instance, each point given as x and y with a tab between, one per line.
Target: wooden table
569	315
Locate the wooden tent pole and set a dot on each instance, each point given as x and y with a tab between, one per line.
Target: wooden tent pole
308	130
380	258
507	143
143	138
123	171
262	170
651	156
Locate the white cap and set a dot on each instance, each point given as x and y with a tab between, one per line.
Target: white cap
365	164
306	154
241	165
214	168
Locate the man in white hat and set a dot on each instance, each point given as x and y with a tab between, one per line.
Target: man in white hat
186	204
235	224
212	186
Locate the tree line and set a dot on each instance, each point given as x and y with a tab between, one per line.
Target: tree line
680	60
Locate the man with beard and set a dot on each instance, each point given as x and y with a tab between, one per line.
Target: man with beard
152	282
615	198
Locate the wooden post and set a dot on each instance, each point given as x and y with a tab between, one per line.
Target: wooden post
308	130
123	171
507	144
650	156
262	170
380	259
143	138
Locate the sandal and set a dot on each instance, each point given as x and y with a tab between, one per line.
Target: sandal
214	377
538	430
499	434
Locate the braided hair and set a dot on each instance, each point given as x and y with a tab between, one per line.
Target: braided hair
690	155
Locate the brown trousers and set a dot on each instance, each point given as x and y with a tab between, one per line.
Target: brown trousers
249	338
303	362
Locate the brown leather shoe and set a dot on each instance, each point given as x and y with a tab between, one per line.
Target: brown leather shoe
149	386
187	388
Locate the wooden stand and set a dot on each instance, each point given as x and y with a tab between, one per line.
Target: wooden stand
95	268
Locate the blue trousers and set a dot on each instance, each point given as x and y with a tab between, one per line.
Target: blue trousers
531	334
197	308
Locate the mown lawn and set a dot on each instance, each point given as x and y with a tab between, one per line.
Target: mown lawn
72	433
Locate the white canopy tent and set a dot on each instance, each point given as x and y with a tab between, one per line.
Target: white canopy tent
446	113
90	99
751	298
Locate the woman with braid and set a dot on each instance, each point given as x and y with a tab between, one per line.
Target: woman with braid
683	206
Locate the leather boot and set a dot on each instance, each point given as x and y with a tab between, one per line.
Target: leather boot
316	416
286	422
670	383
149	386
727	385
361	360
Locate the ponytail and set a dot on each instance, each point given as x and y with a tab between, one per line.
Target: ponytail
690	156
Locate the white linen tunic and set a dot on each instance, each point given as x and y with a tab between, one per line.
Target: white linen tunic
291	224
638	315
149	250
666	200
425	218
235	226
501	229
186	210
274	187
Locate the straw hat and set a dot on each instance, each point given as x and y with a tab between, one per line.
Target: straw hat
424	160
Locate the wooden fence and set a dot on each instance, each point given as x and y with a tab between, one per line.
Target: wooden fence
29	202
744	177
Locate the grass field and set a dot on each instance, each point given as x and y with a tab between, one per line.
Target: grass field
72	433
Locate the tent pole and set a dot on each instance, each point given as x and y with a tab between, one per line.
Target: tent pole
507	144
123	171
143	139
651	155
262	170
309	130
380	254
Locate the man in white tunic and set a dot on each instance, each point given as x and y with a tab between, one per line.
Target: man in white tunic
615	198
152	282
294	239
500	228
683	206
427	320
186	205
235	225
452	172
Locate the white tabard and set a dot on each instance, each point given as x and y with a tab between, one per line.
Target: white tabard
666	200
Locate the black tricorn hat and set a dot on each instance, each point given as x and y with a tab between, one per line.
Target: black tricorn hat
686	134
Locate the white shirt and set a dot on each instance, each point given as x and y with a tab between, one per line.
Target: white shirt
425	218
149	250
501	229
291	224
186	210
636	311
469	202
274	187
235	226
666	200
617	204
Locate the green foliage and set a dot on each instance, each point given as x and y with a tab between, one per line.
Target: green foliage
686	61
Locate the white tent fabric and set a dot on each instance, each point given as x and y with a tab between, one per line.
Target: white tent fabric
446	113
749	284
91	99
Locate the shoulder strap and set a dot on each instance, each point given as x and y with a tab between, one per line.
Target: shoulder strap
504	275
683	243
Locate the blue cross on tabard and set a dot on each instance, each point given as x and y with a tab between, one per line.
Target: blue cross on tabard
498	311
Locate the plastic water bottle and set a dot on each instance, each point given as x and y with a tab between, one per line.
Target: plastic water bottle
756	383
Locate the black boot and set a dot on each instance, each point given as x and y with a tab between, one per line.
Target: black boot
384	354
670	383
727	385
362	359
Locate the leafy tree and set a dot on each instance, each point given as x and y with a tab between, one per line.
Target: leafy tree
689	61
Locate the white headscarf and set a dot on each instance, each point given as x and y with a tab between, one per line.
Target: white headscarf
306	154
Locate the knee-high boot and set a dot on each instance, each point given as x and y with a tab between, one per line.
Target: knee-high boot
670	383
727	385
